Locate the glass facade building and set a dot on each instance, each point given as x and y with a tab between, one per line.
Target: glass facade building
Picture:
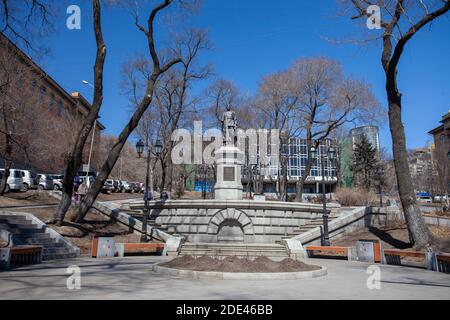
371	132
297	154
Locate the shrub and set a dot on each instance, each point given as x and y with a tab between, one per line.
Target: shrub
349	197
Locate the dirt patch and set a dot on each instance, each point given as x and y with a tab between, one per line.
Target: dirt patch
238	265
29	198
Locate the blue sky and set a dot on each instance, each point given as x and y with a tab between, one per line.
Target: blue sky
252	38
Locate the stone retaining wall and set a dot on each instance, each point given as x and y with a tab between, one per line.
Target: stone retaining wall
231	221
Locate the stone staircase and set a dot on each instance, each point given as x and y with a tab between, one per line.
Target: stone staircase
238	249
31	231
314	223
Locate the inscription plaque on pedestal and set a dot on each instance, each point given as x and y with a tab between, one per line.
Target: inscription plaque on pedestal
228	174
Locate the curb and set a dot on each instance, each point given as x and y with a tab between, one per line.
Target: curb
240	276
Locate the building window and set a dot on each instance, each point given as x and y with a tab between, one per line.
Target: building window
52	102
442	138
32	85
60	107
43	93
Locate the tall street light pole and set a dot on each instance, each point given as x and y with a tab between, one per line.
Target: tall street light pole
140	148
88	183
331	153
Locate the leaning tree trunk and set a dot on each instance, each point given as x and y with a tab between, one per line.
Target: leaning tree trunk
74	160
114	154
70	172
8	165
418	231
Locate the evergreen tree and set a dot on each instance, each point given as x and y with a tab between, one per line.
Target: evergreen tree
365	163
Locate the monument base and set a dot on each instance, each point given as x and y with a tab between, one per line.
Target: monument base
229	167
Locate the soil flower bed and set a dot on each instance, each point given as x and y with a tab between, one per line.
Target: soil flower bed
238	265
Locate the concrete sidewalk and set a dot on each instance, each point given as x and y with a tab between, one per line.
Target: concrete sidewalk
132	278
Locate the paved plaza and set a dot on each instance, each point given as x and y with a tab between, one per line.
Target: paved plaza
133	278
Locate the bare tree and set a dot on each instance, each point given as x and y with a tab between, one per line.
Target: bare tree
276	102
400	21
219	96
25	20
75	157
158	69
15	116
327	100
174	105
129	166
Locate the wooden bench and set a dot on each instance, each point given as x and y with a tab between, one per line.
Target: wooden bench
26	254
142	248
394	256
341	251
443	262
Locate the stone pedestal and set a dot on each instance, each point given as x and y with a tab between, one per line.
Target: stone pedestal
229	160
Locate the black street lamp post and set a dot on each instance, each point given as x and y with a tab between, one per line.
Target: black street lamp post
331	154
140	148
380	178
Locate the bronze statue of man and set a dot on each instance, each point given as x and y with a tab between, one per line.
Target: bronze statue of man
229	127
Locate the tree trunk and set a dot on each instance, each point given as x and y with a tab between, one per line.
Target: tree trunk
8	165
70	172
418	231
309	163
300	184
75	159
114	154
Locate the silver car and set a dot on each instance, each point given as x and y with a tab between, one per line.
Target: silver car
15	181
57	181
45	182
29	180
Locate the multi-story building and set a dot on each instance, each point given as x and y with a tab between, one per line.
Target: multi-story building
269	174
348	145
441	154
46	115
370	132
297	154
422	169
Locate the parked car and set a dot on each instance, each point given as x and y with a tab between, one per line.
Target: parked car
117	186
14	181
57	181
29	180
108	187
424	199
126	186
440	198
136	187
45	181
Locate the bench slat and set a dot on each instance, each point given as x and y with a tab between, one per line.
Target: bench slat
400	253
343	250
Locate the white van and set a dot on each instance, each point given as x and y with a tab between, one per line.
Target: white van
29	180
15	181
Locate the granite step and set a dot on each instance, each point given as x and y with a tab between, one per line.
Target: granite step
243	250
27	231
